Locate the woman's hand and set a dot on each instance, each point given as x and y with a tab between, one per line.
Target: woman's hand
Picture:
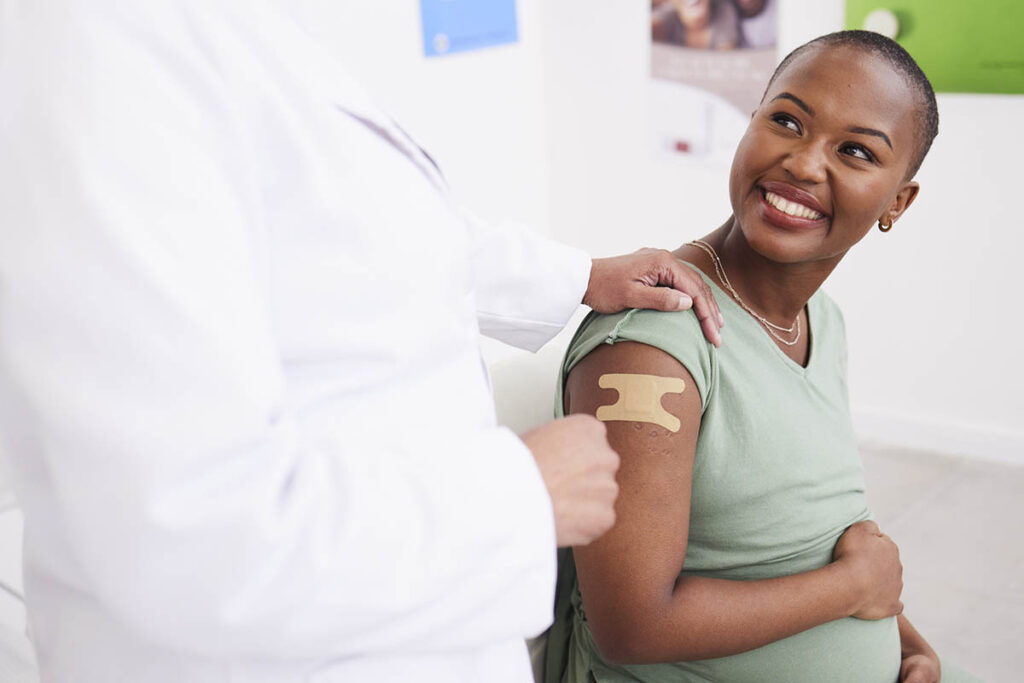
920	663
920	668
872	561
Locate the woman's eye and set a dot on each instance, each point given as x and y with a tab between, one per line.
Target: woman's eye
786	121
858	152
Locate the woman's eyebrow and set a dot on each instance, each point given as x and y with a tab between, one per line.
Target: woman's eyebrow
795	100
807	108
872	131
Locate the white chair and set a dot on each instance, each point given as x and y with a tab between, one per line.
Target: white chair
524	387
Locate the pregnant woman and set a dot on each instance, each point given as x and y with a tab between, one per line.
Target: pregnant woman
743	548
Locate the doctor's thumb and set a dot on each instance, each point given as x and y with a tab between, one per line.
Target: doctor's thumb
659	298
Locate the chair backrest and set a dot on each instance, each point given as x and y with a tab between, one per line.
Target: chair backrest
524	387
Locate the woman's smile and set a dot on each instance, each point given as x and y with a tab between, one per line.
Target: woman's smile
786	206
824	157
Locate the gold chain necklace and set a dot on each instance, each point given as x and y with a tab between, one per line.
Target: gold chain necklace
768	325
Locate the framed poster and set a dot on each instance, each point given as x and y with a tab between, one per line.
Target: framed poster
710	61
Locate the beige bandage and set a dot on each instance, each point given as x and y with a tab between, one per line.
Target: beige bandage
640	399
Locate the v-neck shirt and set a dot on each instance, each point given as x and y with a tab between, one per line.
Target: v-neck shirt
777	478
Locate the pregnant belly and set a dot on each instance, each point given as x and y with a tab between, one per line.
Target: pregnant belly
847	650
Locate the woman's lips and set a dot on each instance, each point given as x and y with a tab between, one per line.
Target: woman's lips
789	199
791	208
785	212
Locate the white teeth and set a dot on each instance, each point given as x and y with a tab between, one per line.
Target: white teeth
791	208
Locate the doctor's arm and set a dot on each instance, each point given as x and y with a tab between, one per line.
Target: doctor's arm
202	510
528	286
639	608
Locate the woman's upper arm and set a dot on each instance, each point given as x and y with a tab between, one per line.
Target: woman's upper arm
628	574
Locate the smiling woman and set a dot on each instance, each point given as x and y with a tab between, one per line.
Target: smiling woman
743	548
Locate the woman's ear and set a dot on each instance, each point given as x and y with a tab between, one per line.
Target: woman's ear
903	199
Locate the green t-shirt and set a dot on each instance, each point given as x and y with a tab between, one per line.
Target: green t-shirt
777	478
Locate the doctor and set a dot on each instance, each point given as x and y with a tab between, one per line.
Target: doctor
239	374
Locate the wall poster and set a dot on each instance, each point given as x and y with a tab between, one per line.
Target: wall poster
710	61
972	47
459	25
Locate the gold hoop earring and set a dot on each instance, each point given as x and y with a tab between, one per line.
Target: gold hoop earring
884	227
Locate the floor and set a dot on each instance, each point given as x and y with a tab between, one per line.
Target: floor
959	523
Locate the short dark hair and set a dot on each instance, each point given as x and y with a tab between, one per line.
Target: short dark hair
900	60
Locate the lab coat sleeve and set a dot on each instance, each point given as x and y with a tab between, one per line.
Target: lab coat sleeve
528	286
200	511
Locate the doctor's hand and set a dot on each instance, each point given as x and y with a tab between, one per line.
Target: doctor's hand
578	467
652	278
872	562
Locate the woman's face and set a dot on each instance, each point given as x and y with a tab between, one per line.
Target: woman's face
750	8
825	156
695	14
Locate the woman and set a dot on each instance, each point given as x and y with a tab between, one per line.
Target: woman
740	472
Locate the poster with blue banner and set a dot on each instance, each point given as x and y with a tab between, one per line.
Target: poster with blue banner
459	25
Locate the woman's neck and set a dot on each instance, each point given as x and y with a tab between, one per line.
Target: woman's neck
777	291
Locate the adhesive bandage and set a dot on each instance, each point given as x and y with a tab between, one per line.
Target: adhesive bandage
640	399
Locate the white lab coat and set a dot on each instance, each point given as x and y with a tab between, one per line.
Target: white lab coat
240	381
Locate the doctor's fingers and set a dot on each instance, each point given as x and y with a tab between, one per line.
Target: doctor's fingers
688	281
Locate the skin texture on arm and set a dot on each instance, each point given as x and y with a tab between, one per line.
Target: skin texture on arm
639	609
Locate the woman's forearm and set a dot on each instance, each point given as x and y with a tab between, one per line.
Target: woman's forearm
912	642
920	663
705	618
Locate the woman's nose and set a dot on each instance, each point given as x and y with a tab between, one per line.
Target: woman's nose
806	163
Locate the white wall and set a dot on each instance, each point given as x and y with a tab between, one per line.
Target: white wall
932	308
480	114
934	334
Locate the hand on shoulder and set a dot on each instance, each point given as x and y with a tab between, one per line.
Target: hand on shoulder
652	278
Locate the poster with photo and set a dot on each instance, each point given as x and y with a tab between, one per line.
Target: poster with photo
710	60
